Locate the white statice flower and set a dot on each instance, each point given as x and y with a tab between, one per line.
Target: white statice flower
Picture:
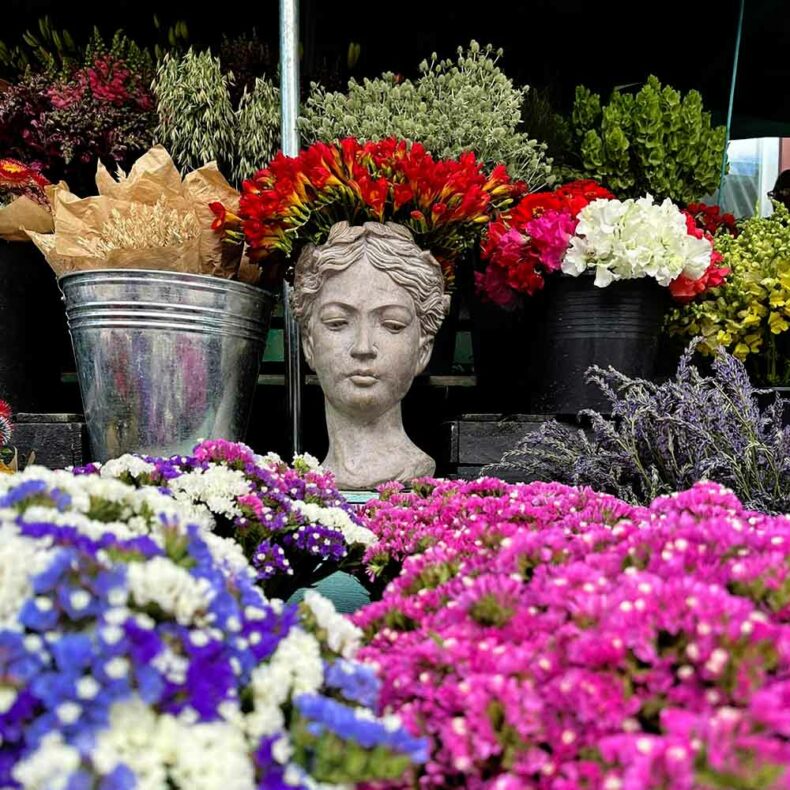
50	766
21	559
310	461
127	464
228	554
217	487
270	459
209	756
629	239
138	510
135	738
343	636
337	518
295	668
172	588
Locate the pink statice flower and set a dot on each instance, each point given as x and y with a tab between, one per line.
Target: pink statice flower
553	637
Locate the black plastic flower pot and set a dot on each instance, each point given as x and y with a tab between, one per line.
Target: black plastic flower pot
583	325
33	327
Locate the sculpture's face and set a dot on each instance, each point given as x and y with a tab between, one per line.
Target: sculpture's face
364	341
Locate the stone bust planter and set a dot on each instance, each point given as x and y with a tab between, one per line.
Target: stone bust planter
369	302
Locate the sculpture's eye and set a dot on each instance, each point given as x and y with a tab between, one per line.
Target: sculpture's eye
394	326
335	324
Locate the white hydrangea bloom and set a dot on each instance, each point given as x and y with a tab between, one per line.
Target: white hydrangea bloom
635	238
49	767
172	588
343	636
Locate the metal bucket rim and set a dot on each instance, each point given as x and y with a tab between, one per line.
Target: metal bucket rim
85	310
220	283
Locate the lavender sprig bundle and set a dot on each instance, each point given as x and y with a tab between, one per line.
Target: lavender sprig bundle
137	651
665	437
291	521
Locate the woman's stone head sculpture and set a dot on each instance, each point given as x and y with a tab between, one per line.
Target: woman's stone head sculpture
369	302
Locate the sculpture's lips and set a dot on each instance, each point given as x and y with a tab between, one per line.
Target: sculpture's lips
363	378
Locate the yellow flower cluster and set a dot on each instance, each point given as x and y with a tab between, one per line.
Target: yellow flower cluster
750	314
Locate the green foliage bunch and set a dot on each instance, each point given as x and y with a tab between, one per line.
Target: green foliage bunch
198	121
750	313
655	141
55	51
453	106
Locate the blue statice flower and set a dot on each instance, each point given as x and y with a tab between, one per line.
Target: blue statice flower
34	490
356	682
135	640
324	714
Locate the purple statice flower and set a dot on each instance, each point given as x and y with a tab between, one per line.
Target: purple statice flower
87	469
325	543
270	560
35	492
285	517
109	634
272	772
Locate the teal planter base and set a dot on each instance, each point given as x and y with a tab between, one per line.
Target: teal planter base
345	592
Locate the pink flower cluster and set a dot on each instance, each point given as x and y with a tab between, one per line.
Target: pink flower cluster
551	637
108	79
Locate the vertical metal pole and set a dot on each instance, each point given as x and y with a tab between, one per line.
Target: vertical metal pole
289	99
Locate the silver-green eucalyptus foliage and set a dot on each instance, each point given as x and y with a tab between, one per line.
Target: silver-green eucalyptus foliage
198	122
453	106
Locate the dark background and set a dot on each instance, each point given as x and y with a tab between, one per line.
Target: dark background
548	43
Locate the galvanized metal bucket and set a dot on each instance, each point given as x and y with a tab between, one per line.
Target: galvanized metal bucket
164	359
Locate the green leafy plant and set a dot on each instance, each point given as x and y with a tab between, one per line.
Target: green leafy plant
199	122
56	52
196	117
257	129
655	141
750	313
453	106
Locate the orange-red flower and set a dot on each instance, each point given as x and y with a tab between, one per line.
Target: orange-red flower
296	199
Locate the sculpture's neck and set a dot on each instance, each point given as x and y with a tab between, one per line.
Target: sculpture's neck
365	452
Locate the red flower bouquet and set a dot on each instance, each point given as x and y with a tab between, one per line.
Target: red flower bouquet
704	222
529	241
712	219
23	201
443	202
541	235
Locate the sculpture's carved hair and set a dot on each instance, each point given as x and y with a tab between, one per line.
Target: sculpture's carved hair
389	248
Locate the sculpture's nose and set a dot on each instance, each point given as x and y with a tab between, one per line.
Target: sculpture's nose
363	347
